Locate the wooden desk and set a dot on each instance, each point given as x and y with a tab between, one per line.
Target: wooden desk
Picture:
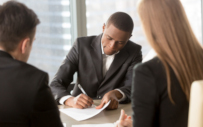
106	116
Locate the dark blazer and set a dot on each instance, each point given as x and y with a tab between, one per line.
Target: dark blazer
150	100
85	58
25	98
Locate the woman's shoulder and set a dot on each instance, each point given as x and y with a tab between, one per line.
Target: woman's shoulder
153	64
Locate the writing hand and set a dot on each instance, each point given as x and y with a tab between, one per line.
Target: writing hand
81	101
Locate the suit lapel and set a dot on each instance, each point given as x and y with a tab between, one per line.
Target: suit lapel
119	59
96	55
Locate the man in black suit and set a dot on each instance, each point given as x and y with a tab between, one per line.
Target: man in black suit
103	64
25	97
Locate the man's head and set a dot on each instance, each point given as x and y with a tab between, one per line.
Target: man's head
116	32
17	29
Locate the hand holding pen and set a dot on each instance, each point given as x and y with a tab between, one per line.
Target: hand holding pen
81	101
80	87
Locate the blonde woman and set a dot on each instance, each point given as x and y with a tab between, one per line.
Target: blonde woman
161	86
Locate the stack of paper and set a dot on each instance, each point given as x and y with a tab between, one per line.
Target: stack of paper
83	114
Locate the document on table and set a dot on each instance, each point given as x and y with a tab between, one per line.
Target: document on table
95	125
83	114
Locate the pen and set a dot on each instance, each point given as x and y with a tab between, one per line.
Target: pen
80	87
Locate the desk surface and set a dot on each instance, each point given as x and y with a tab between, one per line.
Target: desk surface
106	116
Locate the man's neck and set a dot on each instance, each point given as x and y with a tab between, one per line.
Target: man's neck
1	49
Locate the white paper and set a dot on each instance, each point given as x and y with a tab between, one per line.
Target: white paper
83	114
95	125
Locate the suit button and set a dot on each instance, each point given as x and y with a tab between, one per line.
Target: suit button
99	97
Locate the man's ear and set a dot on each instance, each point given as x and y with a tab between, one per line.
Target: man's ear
24	45
103	28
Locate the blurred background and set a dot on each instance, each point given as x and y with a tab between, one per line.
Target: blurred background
62	21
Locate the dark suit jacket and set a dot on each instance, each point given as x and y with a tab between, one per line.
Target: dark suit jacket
85	58
150	100
25	98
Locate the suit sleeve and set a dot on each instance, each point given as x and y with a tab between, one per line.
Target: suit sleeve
45	111
65	73
127	82
144	97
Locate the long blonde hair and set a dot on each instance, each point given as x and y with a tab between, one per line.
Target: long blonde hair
169	33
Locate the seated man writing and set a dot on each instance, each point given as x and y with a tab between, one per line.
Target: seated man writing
103	64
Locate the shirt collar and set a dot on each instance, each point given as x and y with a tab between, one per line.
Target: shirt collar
102	49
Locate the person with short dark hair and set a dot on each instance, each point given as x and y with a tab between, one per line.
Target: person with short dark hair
122	21
26	99
103	64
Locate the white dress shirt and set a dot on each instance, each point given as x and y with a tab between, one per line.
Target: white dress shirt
107	61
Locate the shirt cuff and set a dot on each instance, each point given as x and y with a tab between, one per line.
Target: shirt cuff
63	99
123	98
